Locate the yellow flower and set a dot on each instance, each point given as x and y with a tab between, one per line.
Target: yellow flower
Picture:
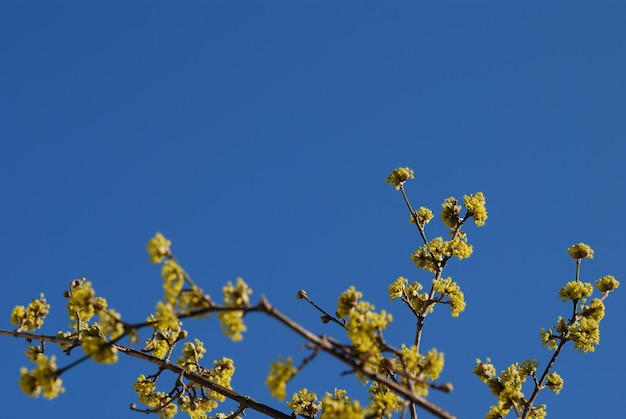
397	288
82	302
96	346
340	407
447	287
475	204
383	401
575	290
555	382
173	280
580	251
450	213
232	324
166	317
280	373
30	318
423	215
585	334
304	403
159	248
607	284
484	370
347	301
42	379
399	176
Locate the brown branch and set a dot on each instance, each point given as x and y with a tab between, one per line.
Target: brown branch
326	345
245	402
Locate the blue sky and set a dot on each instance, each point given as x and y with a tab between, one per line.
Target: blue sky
257	137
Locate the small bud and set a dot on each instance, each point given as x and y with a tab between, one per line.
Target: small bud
301	295
446	387
325	319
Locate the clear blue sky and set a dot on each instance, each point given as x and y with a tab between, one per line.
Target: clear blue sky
257	137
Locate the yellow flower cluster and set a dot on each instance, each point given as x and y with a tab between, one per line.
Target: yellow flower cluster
304	404
555	383
167	330
159	248
575	290
194	400
41	379
279	375
222	374
82	302
339	406
347	301
432	256
450	289
399	176
157	400
192	353
96	346
580	251
485	371
110	322
173	280
451	213
508	387
411	294
475	204
423	215
31	317
364	327
232	321
419	368
585	334
383	401
606	284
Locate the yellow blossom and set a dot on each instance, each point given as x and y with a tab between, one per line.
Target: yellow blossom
585	334
364	326
575	290
396	289
580	251
595	310
97	347
607	284
82	302
450	213
304	403
399	176
42	379
166	317
451	289
144	388
555	383
173	280
280	373
30	318
347	301
159	248
383	402
484	370
339	406
423	215
475	204
232	324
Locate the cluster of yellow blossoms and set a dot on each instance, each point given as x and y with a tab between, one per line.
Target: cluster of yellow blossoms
583	329
42	379
31	317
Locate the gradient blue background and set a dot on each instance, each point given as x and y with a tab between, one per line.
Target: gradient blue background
257	137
